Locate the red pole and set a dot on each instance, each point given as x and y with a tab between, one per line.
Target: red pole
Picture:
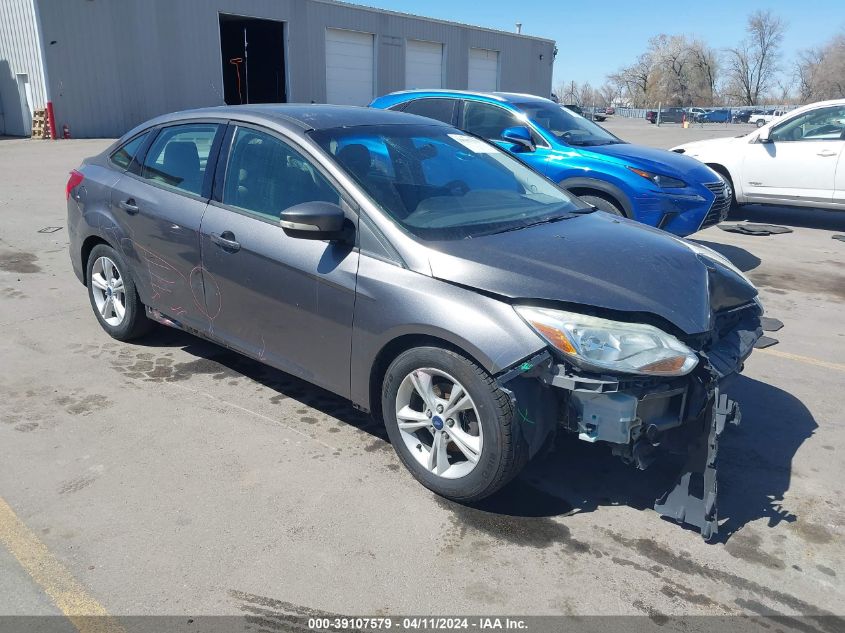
52	120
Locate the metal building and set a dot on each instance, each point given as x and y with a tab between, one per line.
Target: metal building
106	65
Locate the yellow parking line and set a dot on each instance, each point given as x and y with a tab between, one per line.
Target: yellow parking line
803	359
53	577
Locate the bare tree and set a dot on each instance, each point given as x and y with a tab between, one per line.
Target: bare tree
636	79
753	64
820	72
705	61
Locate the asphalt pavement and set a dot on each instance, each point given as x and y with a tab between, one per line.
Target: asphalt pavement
173	477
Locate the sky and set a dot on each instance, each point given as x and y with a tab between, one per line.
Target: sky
596	37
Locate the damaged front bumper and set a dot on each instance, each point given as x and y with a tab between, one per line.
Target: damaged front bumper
640	416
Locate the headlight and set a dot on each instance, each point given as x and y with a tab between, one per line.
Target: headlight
600	344
660	180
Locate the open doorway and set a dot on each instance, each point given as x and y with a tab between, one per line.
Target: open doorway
253	56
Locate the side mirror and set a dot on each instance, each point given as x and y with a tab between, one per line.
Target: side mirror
764	137
314	221
519	135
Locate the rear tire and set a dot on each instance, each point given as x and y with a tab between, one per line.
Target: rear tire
485	423
760	123
603	203
113	295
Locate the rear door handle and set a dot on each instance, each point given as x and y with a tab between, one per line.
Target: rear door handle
827	153
226	241
129	206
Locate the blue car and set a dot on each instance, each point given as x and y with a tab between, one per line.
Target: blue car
656	187
714	116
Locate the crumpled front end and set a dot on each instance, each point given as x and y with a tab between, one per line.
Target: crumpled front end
640	416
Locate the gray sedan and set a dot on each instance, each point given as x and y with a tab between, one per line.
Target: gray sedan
426	275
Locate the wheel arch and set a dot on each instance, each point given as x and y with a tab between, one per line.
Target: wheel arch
586	186
723	170
396	346
85	251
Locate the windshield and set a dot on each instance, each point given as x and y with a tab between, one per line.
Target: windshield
567	126
442	184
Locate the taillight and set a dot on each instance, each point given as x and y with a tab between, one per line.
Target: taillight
75	180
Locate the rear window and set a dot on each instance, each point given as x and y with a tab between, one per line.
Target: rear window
178	157
122	157
439	109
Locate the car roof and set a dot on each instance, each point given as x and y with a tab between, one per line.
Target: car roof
306	116
505	97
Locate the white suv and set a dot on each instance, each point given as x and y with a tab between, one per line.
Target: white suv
798	159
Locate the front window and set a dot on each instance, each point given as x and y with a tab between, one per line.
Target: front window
441	184
567	126
824	124
488	121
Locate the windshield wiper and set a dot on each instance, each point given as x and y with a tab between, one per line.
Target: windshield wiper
557	218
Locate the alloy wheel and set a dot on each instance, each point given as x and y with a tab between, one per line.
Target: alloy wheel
108	290
439	423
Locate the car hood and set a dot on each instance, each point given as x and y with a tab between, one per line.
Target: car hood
714	144
597	260
660	161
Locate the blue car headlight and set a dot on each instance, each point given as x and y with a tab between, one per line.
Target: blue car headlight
664	182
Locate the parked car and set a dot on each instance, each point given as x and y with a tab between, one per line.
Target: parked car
767	116
714	116
595	114
646	184
793	160
669	115
574	108
610	110
694	113
426	275
741	116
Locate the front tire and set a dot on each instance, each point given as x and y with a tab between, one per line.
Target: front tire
450	424
113	296
760	123
603	203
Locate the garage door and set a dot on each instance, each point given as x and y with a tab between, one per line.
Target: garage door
483	70
349	67
423	64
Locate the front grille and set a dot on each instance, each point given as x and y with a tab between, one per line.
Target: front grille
721	204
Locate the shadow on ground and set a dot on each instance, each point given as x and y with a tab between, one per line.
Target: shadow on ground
223	363
738	256
795	217
755	466
755	459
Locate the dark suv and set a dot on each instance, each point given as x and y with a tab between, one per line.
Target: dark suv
669	115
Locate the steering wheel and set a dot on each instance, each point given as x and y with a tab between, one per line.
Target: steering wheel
457	187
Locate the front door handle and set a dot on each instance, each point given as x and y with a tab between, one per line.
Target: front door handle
130	206
827	153
226	241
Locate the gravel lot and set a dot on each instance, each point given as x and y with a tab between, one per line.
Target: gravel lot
174	477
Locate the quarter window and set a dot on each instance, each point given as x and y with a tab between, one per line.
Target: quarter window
122	157
439	109
178	157
266	176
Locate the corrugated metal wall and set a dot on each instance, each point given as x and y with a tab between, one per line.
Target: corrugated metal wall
115	64
19	54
